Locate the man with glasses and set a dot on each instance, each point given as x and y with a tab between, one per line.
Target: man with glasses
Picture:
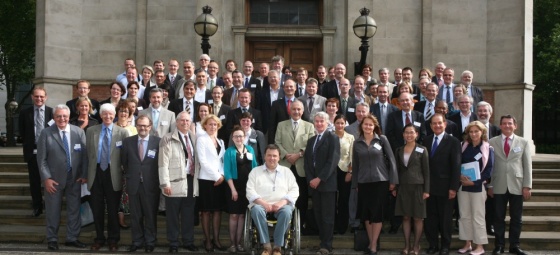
221	110
203	61
446	90
465	115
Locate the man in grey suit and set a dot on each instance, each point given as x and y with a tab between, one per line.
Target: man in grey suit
445	92
312	102
163	119
139	158
512	181
62	164
321	158
104	143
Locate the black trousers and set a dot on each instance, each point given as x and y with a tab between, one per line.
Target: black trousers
342	210
302	202
180	217
102	194
490	214
439	220
323	208
515	212
35	182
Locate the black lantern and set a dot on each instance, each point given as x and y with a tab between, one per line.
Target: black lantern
206	25
364	28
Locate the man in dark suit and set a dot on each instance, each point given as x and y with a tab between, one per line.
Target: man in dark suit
187	103
321	78
249	81
234	115
173	78
221	110
445	92
383	108
428	106
188	74
321	158
465	115
160	79
406	77
104	143
213	79
202	93
139	158
438	74
268	95
279	109
301	77
63	167
231	95
83	88
347	102
445	171
473	91
31	122
451	128
397	120
331	88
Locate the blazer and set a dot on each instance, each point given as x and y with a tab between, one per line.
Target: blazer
176	82
176	106
282	79
288	143
27	129
234	116
257	142
51	156
172	164
457	119
451	129
74	111
222	114
493	131
418	169
207	95
445	165
265	104
166	121
254	84
228	94
421	106
376	111
514	172
442	90
395	126
330	90
318	105
321	161
211	162
133	167
353	129
279	113
350	109
372	163
477	95
92	141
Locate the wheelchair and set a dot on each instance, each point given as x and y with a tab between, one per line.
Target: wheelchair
292	237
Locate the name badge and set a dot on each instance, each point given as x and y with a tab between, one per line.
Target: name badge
94	111
253	121
210	101
317	106
151	154
77	147
253	86
416	123
377	146
140	108
478	156
164	122
419	150
50	122
35	151
222	117
249	156
517	149
351	110
252	140
118	144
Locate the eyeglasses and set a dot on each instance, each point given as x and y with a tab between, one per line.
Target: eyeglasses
238	136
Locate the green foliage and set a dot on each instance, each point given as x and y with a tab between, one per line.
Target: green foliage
17	43
546	63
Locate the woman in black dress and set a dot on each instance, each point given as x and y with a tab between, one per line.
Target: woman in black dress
238	161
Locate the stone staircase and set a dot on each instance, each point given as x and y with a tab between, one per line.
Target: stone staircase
540	229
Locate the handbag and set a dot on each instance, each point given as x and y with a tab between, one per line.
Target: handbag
361	240
86	215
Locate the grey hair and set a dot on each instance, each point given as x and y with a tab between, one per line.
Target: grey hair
484	103
322	115
383	69
107	107
364	104
62	107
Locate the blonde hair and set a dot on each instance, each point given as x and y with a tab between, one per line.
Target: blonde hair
479	125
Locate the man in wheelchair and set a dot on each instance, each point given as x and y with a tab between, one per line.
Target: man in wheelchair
272	189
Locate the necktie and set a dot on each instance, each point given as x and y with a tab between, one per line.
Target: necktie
188	107
289	103
383	116
211	83
67	150
233	101
506	147
440	82
172	78
314	147
295	128
343	106
104	161
407	121
155	113
310	105
434	146
141	149
448	94
39	123
244	110
300	91
189	154
429	112
246	82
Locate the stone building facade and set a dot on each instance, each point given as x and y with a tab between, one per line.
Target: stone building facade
89	39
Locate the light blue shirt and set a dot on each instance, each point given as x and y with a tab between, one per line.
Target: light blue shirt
100	143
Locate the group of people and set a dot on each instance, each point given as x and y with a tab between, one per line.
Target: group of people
199	145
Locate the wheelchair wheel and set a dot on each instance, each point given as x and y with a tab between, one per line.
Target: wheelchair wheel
297	233
248	233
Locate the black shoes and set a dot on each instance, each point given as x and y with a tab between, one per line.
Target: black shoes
133	248
498	250
517	250
76	244
173	249
393	230
191	247
444	251
149	248
432	250
37	212
53	246
490	230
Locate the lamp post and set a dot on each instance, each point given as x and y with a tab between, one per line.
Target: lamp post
11	114
364	28
205	25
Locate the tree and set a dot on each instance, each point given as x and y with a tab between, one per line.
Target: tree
17	50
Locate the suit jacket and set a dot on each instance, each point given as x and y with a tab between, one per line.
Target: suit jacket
493	131
376	111
176	106
176	82
51	156
228	94
514	172
279	113
321	161
288	143
477	95
265	104
234	116
27	129
222	114
74	111
420	106
166	121
445	165
133	167
442	90
417	171
318	105
457	119
452	129
350	109
395	126
254	84
92	141
282	79
171	93
330	90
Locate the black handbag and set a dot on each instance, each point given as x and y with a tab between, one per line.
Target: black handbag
361	240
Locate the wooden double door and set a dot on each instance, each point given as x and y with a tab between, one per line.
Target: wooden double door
307	54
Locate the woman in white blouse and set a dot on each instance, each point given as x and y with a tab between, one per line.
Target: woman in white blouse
210	153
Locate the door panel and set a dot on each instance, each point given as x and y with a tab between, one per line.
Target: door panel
296	53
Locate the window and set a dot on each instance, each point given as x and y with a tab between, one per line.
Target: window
284	12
